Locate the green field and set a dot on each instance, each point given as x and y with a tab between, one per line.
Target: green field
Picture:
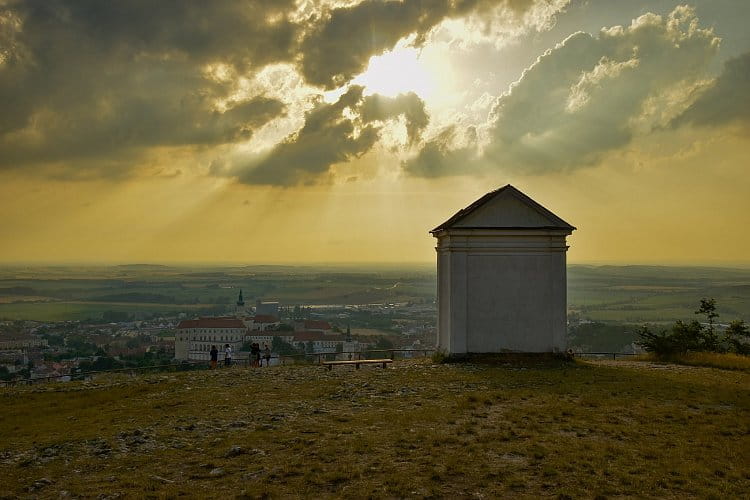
631	294
76	292
65	311
639	294
416	429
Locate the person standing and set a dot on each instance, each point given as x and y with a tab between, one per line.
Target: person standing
255	354
267	354
214	357
227	355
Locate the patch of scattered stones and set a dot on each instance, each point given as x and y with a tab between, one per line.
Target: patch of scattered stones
363	389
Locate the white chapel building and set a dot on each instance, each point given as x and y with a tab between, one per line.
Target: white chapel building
502	277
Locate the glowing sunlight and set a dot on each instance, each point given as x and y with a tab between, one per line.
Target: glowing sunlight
398	71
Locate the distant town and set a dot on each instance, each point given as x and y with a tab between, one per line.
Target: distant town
66	350
62	322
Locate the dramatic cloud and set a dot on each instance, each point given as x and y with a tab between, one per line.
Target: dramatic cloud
333	133
95	85
105	81
727	100
446	154
590	95
339	47
380	108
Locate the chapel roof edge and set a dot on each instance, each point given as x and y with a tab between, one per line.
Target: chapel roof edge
555	221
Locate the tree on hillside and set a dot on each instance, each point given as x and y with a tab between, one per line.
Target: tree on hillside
708	309
659	343
102	363
54	340
279	346
604	337
693	336
738	337
383	343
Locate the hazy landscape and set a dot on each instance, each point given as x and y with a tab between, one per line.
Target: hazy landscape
612	295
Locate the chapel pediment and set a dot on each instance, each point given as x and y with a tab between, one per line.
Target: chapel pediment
504	208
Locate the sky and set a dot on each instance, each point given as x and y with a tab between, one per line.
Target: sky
342	131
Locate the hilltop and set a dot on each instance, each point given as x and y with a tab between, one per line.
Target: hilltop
416	429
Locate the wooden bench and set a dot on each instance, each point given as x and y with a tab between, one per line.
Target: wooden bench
357	362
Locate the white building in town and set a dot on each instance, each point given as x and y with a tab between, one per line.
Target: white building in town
21	341
194	337
262	322
502	277
266	337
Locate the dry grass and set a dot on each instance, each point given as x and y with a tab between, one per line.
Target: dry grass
727	361
413	430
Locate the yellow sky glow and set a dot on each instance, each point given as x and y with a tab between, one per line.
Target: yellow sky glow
670	212
173	171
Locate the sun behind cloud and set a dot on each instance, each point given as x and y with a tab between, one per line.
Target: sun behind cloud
398	71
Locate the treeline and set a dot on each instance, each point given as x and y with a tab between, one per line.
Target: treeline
695	336
602	337
18	290
155	298
148	359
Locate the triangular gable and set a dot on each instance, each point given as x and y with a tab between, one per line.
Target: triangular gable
504	208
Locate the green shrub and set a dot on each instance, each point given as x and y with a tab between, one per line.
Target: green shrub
696	337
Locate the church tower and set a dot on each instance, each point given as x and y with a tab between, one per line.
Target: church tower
240	310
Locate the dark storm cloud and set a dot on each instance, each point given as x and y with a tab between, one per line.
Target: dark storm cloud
87	80
339	47
333	133
727	100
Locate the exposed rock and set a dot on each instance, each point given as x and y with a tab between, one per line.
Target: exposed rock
234	451
40	483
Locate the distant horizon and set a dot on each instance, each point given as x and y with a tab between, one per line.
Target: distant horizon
350	264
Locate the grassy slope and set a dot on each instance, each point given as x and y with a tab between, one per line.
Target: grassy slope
415	430
726	361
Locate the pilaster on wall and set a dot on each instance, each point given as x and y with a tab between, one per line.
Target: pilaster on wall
443	300
459	302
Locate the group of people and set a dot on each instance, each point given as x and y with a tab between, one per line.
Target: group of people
255	357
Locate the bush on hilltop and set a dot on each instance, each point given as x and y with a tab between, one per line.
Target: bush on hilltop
695	336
